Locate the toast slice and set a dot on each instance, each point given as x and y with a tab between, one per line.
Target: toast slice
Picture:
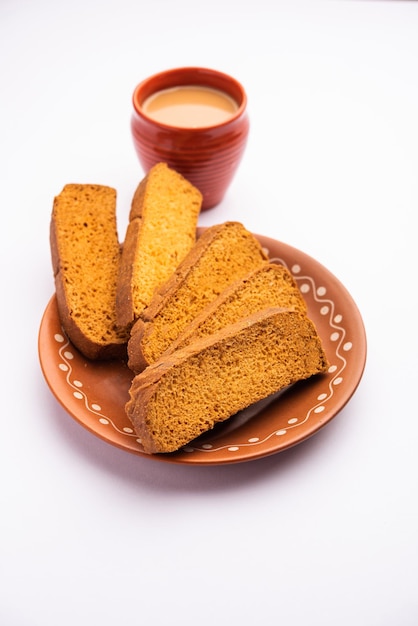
222	254
161	231
85	254
187	392
266	286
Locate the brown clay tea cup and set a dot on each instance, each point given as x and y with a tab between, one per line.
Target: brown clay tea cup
195	120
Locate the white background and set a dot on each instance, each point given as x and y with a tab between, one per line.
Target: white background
323	534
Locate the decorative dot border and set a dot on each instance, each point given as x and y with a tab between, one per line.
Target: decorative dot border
76	385
338	334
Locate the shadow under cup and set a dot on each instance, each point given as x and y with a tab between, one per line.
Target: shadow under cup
207	156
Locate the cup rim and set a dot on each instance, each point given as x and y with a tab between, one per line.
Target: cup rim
190	75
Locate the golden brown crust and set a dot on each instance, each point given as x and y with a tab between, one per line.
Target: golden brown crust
124	295
85	255
161	231
221	255
269	285
171	286
187	392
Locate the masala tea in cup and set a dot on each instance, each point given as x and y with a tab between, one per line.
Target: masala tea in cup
195	120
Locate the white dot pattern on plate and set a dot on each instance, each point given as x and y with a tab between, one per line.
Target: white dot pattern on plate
65	365
337	335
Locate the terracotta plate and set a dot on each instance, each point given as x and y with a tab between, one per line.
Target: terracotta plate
94	393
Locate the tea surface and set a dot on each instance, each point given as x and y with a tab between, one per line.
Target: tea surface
190	106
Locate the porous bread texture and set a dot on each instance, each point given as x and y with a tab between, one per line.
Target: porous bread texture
187	392
161	230
85	255
269	285
222	254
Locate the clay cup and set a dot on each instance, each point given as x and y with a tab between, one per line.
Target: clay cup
208	153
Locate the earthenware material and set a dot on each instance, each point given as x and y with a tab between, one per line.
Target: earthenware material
266	428
208	156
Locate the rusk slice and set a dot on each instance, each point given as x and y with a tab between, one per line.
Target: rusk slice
222	254
85	255
187	392
269	285
161	230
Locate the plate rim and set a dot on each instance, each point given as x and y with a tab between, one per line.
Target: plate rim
184	457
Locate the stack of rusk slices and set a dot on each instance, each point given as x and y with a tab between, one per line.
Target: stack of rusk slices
208	325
